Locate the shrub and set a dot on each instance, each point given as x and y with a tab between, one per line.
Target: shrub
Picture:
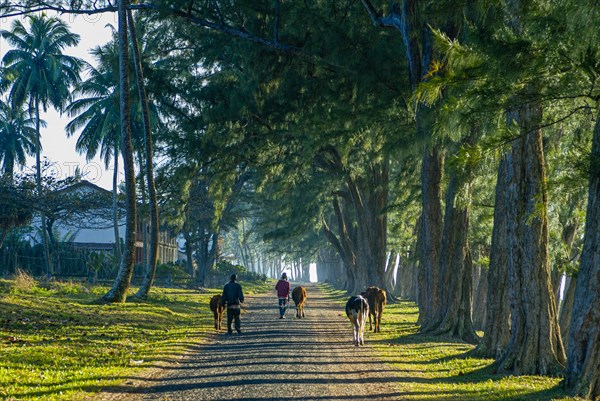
225	267
68	288
170	270
23	282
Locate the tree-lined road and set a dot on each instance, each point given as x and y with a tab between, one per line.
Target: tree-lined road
290	359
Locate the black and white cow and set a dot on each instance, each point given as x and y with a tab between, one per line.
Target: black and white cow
357	310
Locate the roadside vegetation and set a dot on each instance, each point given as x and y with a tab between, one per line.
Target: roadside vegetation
435	368
58	343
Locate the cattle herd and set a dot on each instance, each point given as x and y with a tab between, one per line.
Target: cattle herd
368	305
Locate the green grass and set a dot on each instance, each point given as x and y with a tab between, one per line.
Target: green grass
59	343
433	368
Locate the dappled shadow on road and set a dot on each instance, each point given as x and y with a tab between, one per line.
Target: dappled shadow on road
314	359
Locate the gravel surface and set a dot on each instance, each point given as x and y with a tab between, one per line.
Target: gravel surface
273	359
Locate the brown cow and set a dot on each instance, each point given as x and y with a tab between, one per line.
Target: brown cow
217	310
376	298
299	297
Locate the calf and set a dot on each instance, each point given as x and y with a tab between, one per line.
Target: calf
376	298
217	310
299	297
357	310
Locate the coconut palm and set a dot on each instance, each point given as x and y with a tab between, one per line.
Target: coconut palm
96	112
37	71
17	138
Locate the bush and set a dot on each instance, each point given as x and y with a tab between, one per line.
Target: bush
225	267
171	270
23	282
68	288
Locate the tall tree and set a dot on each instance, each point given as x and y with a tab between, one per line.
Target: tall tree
535	345
411	19
149	160
96	112
39	73
583	351
118	291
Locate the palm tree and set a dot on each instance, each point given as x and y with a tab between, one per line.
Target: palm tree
38	72
147	129
17	138
118	291
97	112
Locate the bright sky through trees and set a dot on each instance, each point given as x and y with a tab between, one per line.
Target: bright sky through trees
94	31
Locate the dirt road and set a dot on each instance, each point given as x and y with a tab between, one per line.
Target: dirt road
289	359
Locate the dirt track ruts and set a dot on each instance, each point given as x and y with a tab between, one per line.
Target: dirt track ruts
289	359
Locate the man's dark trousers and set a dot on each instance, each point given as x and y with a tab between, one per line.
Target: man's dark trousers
233	313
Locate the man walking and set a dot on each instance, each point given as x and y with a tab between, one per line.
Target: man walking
233	297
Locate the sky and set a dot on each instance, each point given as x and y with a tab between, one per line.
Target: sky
56	146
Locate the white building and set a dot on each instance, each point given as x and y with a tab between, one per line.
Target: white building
93	229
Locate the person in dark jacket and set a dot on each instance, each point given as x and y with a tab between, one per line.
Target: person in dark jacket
232	297
283	294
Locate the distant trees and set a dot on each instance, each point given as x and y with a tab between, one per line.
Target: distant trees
38	72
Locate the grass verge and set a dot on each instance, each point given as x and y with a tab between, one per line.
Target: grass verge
434	368
58	343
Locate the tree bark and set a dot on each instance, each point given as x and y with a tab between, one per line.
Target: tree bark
153	203
583	353
118	292
497	324
38	181
430	236
115	206
454	316
188	246
566	311
480	299
362	224
535	345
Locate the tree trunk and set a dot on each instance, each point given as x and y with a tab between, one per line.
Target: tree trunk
53	245
189	262
3	235
480	300
118	292
497	324
566	312
361	224
583	353
202	256
391	283
555	280
215	250
153	203
430	236
454	317
535	345
38	180
116	206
